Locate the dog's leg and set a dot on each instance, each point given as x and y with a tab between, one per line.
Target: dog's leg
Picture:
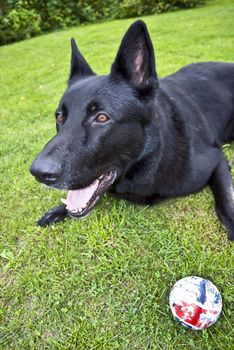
53	216
222	188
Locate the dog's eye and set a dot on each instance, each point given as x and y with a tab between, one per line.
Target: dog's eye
102	118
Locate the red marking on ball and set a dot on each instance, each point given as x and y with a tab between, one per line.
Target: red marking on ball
191	313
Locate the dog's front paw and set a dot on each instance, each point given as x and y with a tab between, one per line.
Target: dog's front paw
53	216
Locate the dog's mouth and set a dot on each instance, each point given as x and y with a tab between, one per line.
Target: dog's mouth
80	202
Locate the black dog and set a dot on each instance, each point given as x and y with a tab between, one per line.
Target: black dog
142	138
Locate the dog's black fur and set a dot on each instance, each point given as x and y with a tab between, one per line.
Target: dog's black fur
163	137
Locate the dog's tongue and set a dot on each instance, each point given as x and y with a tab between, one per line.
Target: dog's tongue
78	199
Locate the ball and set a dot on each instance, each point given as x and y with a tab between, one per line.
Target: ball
195	302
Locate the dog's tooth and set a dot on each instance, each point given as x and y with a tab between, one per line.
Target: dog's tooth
64	201
101	177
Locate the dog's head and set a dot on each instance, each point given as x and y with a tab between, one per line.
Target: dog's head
100	123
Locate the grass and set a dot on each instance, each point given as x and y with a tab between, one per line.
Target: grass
103	283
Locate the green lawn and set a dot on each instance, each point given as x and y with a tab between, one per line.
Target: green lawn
103	283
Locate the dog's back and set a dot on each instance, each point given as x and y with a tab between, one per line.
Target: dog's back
210	86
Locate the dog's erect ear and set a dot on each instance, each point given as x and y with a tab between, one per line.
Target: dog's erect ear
135	59
79	66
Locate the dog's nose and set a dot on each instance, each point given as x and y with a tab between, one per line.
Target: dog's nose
46	170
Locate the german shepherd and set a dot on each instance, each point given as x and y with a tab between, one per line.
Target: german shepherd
141	138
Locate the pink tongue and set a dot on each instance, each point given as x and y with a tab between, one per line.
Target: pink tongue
78	199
